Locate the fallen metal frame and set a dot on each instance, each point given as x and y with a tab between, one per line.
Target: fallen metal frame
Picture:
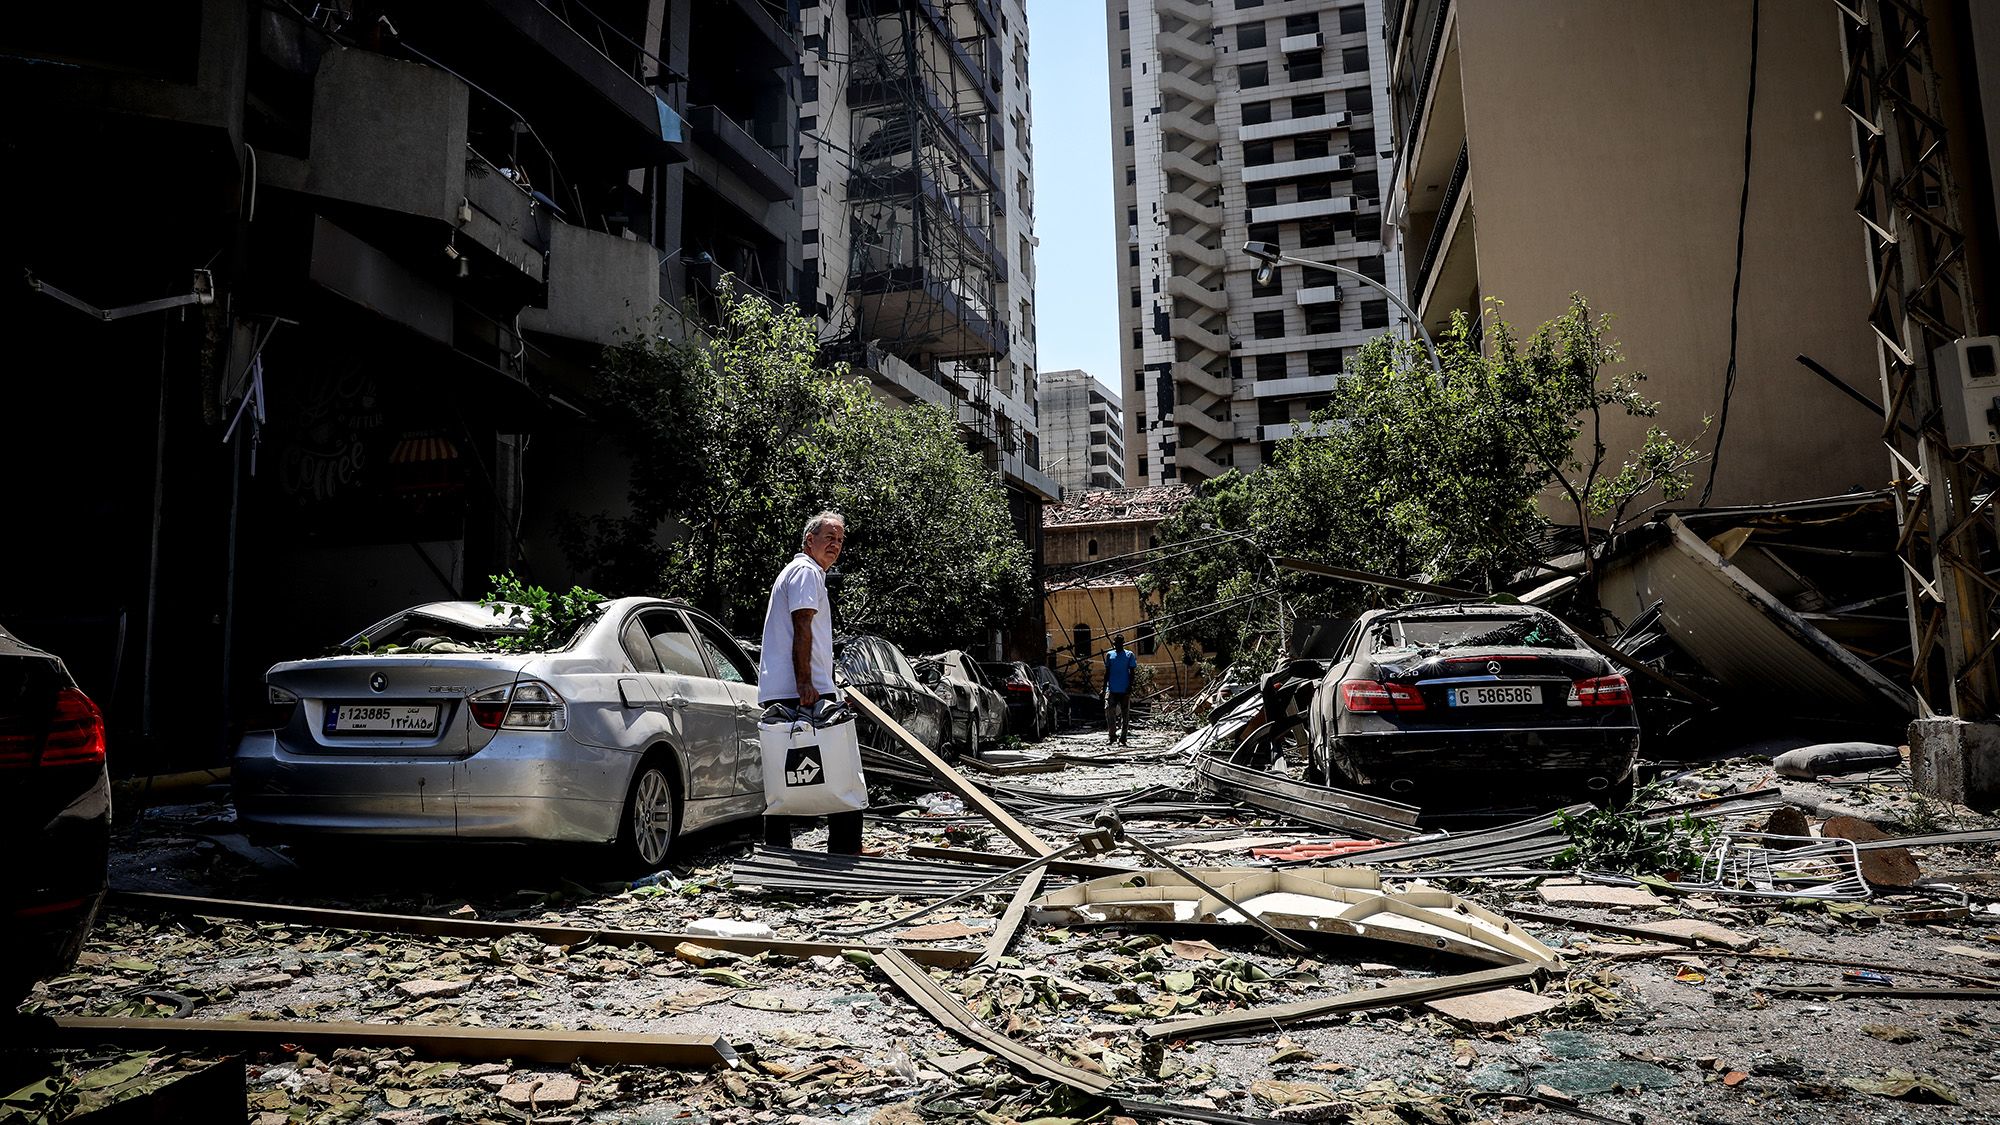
1311	804
435	1041
917	985
428	926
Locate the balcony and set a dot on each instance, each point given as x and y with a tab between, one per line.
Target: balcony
1295	44
909	302
1292	127
904	383
1319	295
1297	387
720	136
1293	429
1446	216
599	286
1305	209
388	134
1293	169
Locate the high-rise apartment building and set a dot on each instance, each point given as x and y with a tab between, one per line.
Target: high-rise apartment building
1574	146
1235	121
918	213
1083	431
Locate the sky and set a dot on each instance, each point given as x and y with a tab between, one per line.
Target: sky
1076	264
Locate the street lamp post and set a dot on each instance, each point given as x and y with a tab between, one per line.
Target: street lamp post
1267	253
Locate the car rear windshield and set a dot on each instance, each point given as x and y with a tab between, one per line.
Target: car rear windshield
1513	631
418	633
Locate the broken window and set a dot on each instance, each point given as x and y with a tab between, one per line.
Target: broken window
1249	35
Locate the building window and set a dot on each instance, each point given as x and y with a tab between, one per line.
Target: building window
1259	153
1362	142
1360	100
1268	325
1135	296
1315	187
1308	105
1128	136
809	88
1143	470
1131	174
1368	227
1099	460
1249	35
1138	339
1124	21
1371	267
1264	232
1128	95
1374	314
1308	148
1270	367
809	236
1139	380
1354	60
1302	67
1302	23
1080	638
1139	423
1322	318
1323	361
1261	195
1316	232
808	124
1256	113
1125	59
1131	216
1273	412
1275	287
1132	255
1242	4
809	171
1149	641
1249	76
1353	19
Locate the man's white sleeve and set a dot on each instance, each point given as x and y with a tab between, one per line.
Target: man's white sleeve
797	591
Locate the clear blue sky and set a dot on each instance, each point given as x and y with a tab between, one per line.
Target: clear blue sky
1076	266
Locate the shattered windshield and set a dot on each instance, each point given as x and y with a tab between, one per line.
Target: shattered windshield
1532	631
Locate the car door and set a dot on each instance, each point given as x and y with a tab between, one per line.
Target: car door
738	677
701	714
916	717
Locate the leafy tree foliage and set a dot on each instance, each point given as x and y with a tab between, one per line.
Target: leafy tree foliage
1442	480
1209	585
739	436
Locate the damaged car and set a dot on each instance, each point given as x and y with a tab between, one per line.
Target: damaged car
638	727
978	713
879	670
1472	699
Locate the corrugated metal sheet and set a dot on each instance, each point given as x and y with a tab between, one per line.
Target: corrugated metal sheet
1743	635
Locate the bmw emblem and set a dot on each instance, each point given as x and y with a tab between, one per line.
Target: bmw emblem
380	683
1492	669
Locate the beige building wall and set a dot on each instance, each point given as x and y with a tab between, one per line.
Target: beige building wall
1604	147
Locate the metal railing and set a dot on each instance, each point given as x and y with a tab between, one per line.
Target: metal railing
1443	225
1424	77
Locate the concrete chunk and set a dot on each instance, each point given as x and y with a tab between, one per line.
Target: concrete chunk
1497	1008
433	989
1588	894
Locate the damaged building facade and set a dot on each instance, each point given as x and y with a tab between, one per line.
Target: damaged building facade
1258	122
1083	431
1096	545
403	232
918	217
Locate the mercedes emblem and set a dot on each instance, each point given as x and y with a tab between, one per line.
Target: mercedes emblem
380	683
1492	669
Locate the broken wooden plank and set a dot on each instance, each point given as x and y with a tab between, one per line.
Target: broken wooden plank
432	1040
1688	932
1969	836
1593	894
1878	992
1010	921
943	1007
474	928
971	794
1388	996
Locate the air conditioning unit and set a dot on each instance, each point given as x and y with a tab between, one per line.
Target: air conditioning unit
1968	383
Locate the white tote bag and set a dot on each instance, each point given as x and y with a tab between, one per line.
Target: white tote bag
812	771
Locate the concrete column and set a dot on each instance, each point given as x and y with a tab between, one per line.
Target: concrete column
1957	761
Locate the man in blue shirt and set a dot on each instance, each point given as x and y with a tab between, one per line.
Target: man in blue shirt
1119	665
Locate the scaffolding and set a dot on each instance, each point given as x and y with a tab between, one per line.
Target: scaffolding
924	271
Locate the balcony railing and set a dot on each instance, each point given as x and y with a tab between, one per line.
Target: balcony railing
1424	76
1442	227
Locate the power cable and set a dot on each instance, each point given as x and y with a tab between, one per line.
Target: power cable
1736	287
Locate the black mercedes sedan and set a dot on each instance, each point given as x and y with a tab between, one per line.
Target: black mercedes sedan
57	816
1473	700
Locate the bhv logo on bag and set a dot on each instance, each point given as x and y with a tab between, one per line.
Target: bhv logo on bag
802	766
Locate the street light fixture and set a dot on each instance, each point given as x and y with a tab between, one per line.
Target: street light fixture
1268	254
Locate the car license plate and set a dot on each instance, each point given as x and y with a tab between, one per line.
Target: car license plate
1492	695
381	718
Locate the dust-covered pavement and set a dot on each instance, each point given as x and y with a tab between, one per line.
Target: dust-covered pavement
1678	1035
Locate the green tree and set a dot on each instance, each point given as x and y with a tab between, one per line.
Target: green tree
1443	480
1209	584
737	436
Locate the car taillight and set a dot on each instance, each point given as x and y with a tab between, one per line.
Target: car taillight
76	734
1601	691
1019	685
528	705
279	705
1369	695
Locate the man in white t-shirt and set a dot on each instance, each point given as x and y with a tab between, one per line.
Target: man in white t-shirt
797	664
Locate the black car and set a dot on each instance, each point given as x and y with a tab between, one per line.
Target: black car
1472	699
1029	713
882	673
1055	693
58	815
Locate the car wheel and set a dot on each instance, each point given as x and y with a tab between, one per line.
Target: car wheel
646	832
